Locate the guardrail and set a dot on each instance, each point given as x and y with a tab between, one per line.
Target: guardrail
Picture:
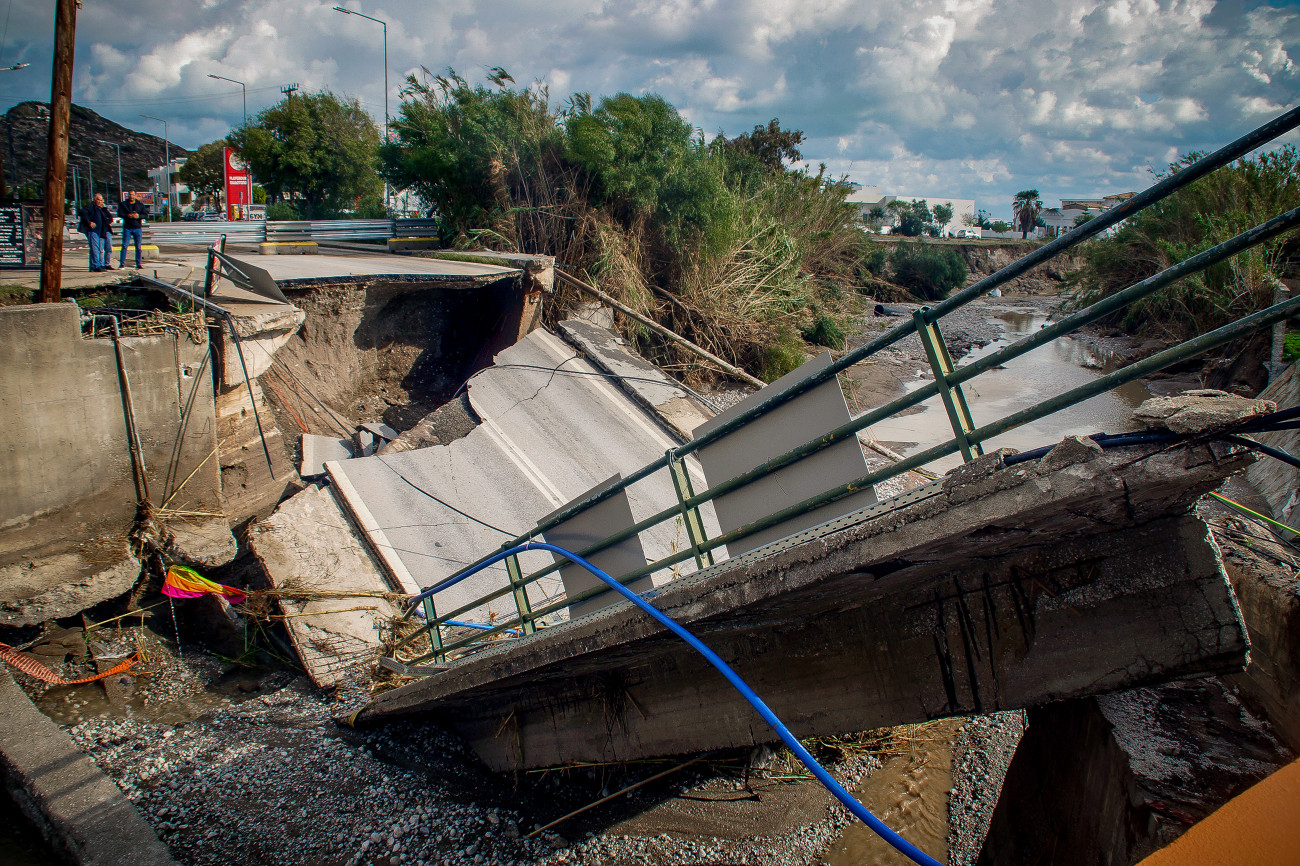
259	231
948	380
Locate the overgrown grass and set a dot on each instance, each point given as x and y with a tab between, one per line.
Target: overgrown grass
1201	215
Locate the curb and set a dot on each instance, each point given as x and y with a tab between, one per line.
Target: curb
83	815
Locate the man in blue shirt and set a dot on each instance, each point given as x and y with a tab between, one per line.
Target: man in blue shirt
133	214
97	224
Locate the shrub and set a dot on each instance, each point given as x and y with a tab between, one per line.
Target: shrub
282	211
825	331
784	355
1205	213
929	272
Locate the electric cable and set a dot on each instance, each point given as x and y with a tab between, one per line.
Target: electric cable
907	849
443	502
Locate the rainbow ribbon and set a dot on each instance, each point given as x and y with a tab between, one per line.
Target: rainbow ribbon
182	582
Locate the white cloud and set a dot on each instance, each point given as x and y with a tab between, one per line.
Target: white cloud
968	98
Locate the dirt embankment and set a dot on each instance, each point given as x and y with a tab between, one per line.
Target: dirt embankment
983	259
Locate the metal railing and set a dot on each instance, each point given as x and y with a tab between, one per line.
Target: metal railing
259	231
948	380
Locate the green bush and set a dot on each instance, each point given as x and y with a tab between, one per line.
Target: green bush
825	331
1215	208
1291	348
927	271
781	357
282	211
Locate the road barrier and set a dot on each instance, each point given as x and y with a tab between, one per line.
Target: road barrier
258	231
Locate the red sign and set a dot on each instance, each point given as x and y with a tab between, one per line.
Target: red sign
239	187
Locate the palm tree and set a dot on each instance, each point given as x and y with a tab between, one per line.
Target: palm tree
1026	206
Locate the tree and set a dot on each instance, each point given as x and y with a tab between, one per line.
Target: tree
999	226
943	215
771	145
205	171
928	270
1025	207
316	147
875	218
1082	218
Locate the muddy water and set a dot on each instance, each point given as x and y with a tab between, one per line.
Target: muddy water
910	794
1049	370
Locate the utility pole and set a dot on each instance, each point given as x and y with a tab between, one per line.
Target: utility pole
56	159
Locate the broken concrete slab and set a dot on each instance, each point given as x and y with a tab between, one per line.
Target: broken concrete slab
336	601
451	421
380	429
83	815
1194	411
544	438
643	381
203	544
64	584
1017	588
367	443
319	450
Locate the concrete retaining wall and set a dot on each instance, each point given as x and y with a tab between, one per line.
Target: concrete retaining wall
1278	482
64	453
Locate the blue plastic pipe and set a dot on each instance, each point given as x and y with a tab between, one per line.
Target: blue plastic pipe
907	849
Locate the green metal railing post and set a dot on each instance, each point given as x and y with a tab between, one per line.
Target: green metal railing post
690	514
954	400
435	633
519	588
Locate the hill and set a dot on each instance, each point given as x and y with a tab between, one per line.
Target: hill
23	135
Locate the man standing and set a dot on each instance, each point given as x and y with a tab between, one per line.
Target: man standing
97	223
133	215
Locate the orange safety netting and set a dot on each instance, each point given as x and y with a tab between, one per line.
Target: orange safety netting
31	667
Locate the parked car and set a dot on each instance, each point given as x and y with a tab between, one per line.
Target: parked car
967	233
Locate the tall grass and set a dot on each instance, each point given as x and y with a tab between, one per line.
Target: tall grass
730	251
1201	215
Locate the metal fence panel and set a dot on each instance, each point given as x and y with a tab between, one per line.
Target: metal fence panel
203	233
288	230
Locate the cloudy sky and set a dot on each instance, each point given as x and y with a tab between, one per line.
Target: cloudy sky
956	98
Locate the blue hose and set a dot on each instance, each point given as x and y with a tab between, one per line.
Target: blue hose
907	849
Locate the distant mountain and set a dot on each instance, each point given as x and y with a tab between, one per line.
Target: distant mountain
25	127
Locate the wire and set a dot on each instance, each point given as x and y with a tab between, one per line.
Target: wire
1255	514
907	849
443	502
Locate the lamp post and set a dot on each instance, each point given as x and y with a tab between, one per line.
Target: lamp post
15	67
385	26
167	157
91	165
121	194
76	196
244	88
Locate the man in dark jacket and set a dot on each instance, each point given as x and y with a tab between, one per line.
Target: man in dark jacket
97	223
133	214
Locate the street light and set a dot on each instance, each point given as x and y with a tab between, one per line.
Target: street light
92	172
167	156
120	193
385	25
242	87
15	67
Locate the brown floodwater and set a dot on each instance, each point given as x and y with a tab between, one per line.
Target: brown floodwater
1047	371
910	794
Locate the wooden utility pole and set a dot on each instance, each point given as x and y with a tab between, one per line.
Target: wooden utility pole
56	160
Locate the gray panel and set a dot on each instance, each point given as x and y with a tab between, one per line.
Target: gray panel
600	521
801	420
319	450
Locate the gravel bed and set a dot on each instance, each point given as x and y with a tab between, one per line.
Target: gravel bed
982	752
276	780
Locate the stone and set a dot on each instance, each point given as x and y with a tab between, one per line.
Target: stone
319	450
1071	450
208	544
1200	410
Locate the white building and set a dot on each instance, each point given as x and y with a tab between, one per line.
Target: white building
181	197
868	198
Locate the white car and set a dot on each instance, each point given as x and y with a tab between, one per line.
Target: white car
967	233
